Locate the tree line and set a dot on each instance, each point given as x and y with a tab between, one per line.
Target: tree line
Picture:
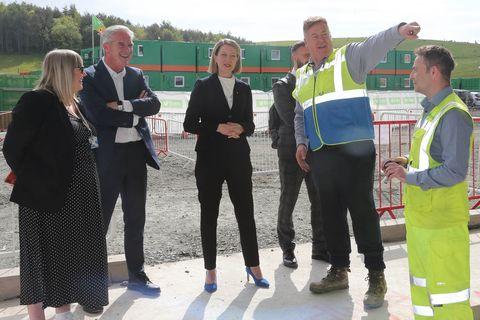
27	28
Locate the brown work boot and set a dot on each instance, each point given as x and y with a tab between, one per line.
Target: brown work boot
336	279
377	287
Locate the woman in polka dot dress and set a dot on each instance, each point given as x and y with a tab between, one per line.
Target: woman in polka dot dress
49	147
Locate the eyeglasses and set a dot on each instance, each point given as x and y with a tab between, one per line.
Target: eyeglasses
81	68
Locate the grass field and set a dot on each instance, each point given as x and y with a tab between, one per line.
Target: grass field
13	63
467	55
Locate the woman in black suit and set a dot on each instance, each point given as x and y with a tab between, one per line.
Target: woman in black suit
49	146
220	113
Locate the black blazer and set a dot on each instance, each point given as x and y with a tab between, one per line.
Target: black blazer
38	148
208	108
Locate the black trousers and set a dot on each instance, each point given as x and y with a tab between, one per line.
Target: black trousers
211	170
127	177
291	177
344	178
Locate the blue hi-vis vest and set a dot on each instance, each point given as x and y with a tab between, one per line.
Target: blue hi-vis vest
336	109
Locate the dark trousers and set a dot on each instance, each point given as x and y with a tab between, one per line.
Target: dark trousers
127	176
344	178
211	170
291	177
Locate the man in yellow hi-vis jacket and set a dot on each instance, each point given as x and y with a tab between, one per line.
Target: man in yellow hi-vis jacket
436	202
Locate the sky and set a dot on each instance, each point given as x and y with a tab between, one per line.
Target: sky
272	20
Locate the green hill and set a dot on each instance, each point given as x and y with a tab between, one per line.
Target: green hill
467	55
16	63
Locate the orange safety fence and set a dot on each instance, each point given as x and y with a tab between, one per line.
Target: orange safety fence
158	128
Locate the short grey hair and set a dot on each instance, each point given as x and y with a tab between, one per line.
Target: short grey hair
110	31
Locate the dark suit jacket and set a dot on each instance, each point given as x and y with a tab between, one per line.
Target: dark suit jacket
285	106
98	89
208	108
38	149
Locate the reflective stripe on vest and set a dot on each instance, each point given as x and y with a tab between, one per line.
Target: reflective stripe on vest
419	282
423	311
336	109
429	127
447	298
332	96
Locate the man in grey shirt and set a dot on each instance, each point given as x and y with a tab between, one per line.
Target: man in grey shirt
343	172
436	199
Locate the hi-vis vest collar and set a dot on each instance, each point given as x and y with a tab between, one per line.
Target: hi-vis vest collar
429	124
336	109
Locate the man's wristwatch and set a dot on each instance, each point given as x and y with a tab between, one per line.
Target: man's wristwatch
120	105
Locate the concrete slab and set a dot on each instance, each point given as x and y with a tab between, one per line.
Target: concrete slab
288	297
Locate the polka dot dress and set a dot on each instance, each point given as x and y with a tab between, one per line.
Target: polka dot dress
63	254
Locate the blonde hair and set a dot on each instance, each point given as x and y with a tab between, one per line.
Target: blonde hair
58	73
213	68
307	24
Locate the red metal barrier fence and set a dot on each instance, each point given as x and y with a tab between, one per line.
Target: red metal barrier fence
393	138
159	130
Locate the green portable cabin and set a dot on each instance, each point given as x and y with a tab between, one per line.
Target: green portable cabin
250	55
146	55
403	82
404	62
275	59
201	75
381	82
250	58
269	80
471	84
178	81
455	83
254	80
86	55
387	65
204	52
153	79
178	56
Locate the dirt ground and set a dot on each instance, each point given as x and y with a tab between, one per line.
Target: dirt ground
172	229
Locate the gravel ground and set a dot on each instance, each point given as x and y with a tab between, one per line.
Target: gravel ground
172	230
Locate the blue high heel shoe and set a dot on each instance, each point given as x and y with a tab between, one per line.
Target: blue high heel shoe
262	283
210	287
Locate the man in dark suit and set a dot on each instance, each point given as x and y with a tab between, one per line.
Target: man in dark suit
291	175
116	100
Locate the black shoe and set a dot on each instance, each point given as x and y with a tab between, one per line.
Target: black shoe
92	310
142	283
321	256
289	259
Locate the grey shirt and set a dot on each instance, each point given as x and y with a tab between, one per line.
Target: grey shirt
361	58
450	147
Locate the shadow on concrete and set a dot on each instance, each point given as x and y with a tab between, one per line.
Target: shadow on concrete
196	309
237	307
120	306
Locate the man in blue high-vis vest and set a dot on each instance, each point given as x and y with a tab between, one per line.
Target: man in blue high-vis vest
333	119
